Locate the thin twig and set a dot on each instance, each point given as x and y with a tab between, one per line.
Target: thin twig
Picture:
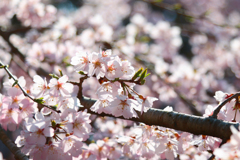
79	84
15	51
217	110
182	13
6	37
5	67
15	80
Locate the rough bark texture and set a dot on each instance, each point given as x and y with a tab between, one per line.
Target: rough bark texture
11	146
183	122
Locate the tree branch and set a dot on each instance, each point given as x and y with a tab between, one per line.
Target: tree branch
6	35
5	67
177	8
188	103
183	122
11	146
217	110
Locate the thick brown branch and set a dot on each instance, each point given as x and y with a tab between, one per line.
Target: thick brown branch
189	104
183	122
11	146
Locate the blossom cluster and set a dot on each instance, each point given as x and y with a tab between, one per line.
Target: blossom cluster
46	133
180	56
114	95
229	150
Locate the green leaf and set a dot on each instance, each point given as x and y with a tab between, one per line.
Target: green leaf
39	100
60	71
81	72
137	74
54	76
143	81
147	75
3	66
55	107
54	124
15	83
143	75
145	39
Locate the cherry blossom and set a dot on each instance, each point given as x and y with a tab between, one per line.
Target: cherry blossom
114	69
32	12
98	49
99	149
123	106
78	124
10	118
81	61
38	133
39	87
102	105
147	103
60	87
97	66
72	145
28	108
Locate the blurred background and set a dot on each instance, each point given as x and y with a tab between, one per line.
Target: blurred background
190	47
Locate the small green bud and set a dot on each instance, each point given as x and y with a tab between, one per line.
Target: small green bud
81	72
137	74
60	71
54	76
39	100
15	83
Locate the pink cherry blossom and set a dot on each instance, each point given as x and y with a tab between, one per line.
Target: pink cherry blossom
97	66
127	69
81	61
35	13
102	105
21	82
146	148
10	118
68	105
61	87
16	95
28	108
39	87
123	106
72	145
78	124
39	131
109	89
5	101
146	103
99	149
114	69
